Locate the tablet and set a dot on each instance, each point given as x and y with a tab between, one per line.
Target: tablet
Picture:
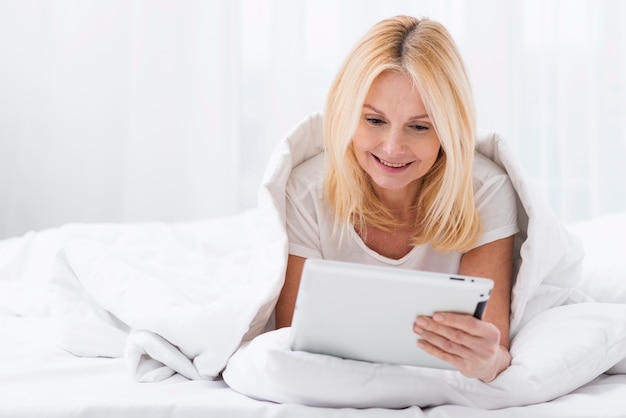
365	312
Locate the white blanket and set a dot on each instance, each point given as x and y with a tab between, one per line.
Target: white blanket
170	298
182	298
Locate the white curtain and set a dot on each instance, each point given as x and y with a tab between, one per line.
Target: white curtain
140	110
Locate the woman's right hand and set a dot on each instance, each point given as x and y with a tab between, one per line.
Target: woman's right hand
472	346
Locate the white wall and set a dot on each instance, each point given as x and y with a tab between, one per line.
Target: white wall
139	110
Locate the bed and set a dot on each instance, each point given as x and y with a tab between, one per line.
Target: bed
175	320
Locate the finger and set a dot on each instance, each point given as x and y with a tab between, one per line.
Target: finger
484	331
453	359
467	323
458	347
466	365
439	333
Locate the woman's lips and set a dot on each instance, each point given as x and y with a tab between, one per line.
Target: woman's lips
391	165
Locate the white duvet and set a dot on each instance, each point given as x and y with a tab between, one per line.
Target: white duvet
169	298
188	298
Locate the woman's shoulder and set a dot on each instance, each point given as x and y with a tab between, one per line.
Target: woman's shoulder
495	199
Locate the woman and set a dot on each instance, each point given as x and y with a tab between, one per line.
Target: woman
399	184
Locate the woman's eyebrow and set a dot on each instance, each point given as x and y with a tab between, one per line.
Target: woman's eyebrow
424	116
373	108
369	106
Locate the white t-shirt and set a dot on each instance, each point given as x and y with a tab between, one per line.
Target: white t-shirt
310	221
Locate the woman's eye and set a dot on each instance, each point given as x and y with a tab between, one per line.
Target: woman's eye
375	121
420	127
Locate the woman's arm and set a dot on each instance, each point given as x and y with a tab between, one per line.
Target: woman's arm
495	261
477	348
287	298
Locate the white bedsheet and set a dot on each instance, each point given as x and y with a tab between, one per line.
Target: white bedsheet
39	379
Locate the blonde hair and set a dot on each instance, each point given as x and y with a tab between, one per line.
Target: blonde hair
423	50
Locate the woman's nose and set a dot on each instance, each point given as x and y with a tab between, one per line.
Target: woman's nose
394	142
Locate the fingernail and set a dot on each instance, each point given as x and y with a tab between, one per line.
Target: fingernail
421	322
437	317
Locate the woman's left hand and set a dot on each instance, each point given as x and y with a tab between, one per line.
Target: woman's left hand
469	344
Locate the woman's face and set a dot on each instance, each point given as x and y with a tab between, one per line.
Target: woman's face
395	142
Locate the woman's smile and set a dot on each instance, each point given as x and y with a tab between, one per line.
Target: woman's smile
395	167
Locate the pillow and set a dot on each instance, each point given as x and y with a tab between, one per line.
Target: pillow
604	265
556	352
